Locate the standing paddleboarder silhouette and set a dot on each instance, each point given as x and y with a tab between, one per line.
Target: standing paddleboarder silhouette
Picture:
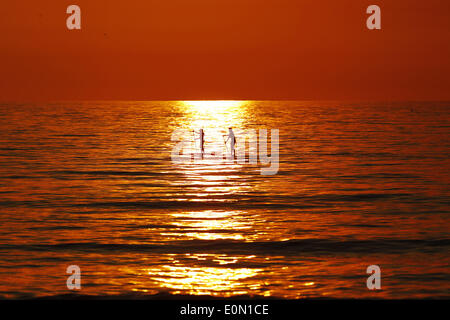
201	138
232	139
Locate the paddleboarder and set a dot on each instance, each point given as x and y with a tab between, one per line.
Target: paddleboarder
232	139
201	138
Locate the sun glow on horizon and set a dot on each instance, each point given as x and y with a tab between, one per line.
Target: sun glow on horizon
213	105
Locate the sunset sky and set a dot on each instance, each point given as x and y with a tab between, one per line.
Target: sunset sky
225	49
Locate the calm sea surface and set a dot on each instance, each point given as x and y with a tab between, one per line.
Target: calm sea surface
93	184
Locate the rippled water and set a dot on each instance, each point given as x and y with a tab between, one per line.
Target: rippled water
93	184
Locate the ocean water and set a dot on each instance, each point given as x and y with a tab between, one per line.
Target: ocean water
93	184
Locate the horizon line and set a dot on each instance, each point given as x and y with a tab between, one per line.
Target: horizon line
246	100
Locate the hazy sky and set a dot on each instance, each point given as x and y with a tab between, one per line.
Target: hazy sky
224	49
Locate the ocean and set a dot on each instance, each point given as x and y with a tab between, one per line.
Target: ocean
94	184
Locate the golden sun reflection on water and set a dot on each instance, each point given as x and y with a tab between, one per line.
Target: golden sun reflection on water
210	225
212	180
214	117
216	281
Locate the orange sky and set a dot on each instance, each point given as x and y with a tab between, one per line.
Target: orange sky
224	49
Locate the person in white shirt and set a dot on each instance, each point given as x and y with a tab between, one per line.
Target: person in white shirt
232	139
